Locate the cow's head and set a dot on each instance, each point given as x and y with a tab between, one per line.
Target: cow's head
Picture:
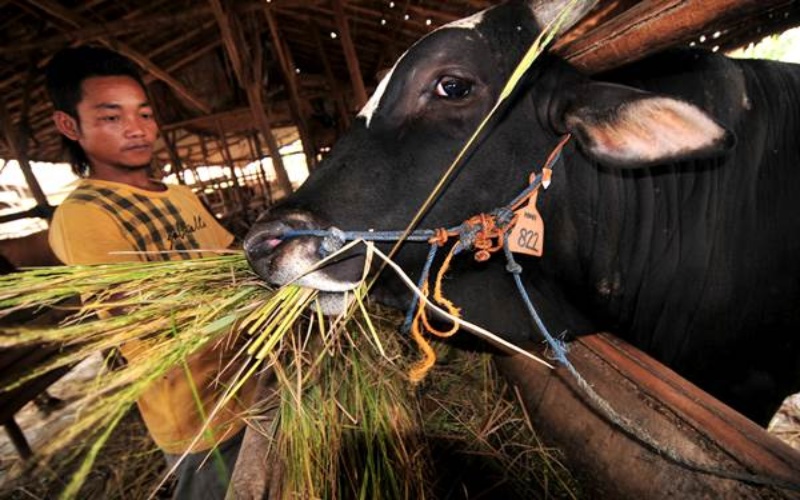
426	108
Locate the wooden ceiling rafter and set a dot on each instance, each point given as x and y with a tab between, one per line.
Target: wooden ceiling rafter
76	21
176	34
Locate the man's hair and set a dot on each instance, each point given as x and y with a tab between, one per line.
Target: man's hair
65	74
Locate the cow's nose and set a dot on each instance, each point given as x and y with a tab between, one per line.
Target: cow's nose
268	238
264	237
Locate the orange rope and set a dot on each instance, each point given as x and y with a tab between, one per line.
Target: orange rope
487	240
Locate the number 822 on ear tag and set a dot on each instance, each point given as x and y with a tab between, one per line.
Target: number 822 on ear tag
527	236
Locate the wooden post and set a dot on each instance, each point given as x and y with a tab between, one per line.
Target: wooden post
281	176
17	140
262	180
174	158
341	104
249	77
260	153
237	188
296	104
350	55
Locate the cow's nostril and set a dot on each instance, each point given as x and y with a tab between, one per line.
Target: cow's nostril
264	238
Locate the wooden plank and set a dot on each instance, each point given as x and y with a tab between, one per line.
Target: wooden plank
740	436
654	25
680	419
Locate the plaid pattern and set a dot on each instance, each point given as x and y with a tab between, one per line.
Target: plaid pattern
150	224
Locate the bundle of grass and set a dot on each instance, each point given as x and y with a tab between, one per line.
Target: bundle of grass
349	424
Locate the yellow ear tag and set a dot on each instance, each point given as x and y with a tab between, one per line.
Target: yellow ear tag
527	235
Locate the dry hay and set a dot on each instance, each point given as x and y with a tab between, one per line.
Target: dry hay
351	423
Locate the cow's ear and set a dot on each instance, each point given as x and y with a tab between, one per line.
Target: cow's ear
625	127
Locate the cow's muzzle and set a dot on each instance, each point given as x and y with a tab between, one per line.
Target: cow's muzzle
281	258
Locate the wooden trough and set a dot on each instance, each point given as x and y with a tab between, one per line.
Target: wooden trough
681	418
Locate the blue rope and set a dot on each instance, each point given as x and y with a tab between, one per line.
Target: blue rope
423	278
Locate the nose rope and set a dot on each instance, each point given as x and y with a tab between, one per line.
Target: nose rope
483	234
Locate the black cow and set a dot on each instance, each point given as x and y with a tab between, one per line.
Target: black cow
673	220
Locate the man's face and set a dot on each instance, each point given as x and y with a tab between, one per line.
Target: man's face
116	126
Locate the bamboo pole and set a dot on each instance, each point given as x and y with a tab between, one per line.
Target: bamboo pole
260	152
350	55
260	175
281	176
177	164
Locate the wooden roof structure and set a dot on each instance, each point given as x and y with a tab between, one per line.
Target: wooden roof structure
235	80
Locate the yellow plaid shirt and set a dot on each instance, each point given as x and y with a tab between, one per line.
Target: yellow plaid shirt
100	219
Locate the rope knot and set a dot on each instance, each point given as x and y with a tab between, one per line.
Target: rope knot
503	216
514	268
332	242
440	237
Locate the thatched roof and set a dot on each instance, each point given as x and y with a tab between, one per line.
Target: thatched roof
319	58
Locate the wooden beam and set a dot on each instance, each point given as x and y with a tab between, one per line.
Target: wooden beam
351	57
16	139
237	189
59	12
672	413
120	27
249	78
290	77
653	25
341	105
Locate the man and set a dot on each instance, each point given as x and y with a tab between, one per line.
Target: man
107	124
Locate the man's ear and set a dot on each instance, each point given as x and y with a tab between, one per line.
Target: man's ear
67	125
629	128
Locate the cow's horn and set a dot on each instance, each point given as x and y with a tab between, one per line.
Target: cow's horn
546	11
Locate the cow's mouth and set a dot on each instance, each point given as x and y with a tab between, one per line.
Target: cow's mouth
280	258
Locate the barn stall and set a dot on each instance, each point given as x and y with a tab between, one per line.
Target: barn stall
238	83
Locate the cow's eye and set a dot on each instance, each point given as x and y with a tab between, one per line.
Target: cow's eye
451	87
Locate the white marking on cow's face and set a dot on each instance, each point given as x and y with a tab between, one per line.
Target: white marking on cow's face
369	109
470	22
372	104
